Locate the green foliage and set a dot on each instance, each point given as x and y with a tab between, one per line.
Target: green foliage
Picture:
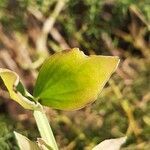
70	80
7	140
99	16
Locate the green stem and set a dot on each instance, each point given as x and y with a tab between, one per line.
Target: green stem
45	129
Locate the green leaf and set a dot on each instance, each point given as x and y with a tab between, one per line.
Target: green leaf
111	144
70	80
24	143
16	89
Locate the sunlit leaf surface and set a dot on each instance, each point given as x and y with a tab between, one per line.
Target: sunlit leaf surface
16	90
24	143
70	80
111	144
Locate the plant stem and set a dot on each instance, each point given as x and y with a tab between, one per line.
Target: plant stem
45	129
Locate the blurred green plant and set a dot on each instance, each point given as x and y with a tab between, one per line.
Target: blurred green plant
7	139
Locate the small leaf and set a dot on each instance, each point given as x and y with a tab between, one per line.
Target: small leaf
70	80
111	144
24	143
16	89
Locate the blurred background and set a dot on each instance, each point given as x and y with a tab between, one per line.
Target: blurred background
30	31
